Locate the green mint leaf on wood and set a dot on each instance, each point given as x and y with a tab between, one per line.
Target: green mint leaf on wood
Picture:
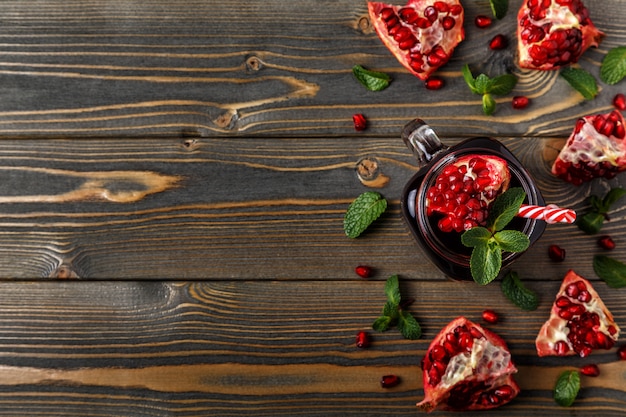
499	8
382	323
592	221
582	81
372	80
613	67
502	84
513	289
408	326
469	79
566	388
610	270
362	212
489	104
392	290
505	208
393	314
487	87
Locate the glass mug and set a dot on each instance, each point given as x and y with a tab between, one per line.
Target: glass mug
445	250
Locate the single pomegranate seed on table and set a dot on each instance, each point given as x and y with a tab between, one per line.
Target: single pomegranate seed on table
389	381
482	21
434	83
363	271
362	340
490	316
520	102
621	352
498	42
590	370
359	122
606	242
556	253
619	101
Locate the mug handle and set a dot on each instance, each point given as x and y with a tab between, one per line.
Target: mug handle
422	140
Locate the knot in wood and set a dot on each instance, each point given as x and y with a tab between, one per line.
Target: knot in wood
254	63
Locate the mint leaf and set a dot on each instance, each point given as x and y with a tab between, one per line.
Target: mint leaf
611	197
382	323
592	221
392	290
489	104
499	8
485	263
469	79
487	87
502	84
482	84
566	388
362	212
581	80
372	80
505	208
517	293
408	326
512	240
610	270
613	67
475	236
390	309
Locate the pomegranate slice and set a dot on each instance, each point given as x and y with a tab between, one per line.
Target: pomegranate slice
467	367
465	189
596	148
554	33
422	35
579	321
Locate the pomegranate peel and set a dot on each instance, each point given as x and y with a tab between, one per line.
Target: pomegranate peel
467	367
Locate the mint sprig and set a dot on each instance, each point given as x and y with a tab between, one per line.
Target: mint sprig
513	289
592	221
372	80
499	8
488	87
566	388
489	242
582	81
610	270
362	212
394	314
613	67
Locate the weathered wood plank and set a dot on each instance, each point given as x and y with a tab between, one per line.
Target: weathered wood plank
271	68
231	208
257	348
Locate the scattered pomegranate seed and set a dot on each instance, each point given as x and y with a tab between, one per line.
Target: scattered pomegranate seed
621	352
556	253
590	370
482	21
359	122
606	242
490	316
363	271
619	101
520	102
498	42
434	83
389	381
362	340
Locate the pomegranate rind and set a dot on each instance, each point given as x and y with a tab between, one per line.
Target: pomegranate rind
432	38
480	369
555	328
568	24
589	154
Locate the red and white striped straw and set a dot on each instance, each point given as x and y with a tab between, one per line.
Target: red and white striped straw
550	213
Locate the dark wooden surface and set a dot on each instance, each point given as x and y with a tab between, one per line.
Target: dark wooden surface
174	176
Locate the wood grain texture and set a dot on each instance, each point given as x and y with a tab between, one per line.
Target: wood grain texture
257	348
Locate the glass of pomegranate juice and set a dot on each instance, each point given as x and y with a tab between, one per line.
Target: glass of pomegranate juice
444	248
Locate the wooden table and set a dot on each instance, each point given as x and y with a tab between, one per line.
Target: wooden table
174	180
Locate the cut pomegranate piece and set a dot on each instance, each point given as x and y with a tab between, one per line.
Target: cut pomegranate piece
579	321
596	148
554	33
422	35
467	367
465	189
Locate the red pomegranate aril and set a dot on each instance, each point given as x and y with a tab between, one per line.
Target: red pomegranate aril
621	352
556	253
362	340
498	42
434	83
360	123
619	101
561	348
490	316
389	381
482	21
606	242
520	102
363	271
590	370
448	22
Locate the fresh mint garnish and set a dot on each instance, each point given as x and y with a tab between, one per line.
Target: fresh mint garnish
372	80
613	67
499	8
394	314
566	388
592	221
362	212
582	81
517	293
488	87
489	242
610	270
